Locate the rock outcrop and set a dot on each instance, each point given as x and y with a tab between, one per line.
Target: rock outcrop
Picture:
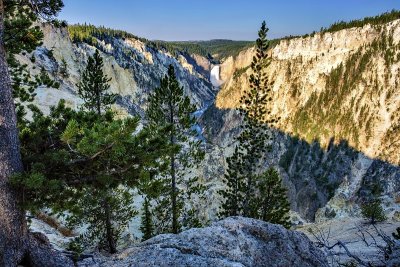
235	241
43	254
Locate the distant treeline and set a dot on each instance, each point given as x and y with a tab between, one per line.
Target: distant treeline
176	48
342	25
377	20
214	49
88	33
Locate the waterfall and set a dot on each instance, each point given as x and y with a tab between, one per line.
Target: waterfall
214	76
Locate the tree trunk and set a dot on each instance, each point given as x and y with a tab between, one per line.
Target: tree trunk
17	246
13	227
235	204
98	104
173	176
173	189
109	232
249	181
246	206
173	195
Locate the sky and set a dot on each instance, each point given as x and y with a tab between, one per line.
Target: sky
177	20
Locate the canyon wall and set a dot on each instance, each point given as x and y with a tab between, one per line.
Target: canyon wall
338	97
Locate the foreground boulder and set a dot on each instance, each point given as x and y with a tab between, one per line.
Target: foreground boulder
42	254
235	241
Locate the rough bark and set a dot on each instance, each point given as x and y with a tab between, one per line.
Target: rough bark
173	195
109	231
13	228
17	246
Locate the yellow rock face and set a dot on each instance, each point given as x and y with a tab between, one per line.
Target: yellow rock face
368	112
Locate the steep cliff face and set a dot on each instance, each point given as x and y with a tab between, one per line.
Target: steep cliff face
134	68
338	98
342	85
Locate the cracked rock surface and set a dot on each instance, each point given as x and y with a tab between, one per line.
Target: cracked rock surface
235	241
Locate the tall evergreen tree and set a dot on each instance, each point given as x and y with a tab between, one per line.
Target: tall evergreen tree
169	109
105	208
94	86
253	142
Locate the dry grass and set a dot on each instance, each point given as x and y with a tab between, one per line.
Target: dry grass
52	222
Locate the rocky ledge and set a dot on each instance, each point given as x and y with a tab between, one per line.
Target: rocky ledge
235	241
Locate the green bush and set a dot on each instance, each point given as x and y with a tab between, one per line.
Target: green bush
372	211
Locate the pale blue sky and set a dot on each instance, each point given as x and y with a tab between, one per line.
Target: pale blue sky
219	19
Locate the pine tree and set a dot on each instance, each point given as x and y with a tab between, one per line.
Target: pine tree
371	206
271	204
105	203
106	212
170	110
147	227
85	163
64	69
372	210
94	90
94	86
252	142
151	189
241	194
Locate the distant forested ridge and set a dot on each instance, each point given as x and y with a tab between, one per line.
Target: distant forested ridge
88	33
376	20
213	49
218	49
342	25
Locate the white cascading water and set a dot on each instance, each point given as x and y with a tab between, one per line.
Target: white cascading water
216	82
214	76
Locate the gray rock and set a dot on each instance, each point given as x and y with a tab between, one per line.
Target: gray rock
42	254
235	241
394	259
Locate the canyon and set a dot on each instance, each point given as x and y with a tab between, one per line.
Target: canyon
336	93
